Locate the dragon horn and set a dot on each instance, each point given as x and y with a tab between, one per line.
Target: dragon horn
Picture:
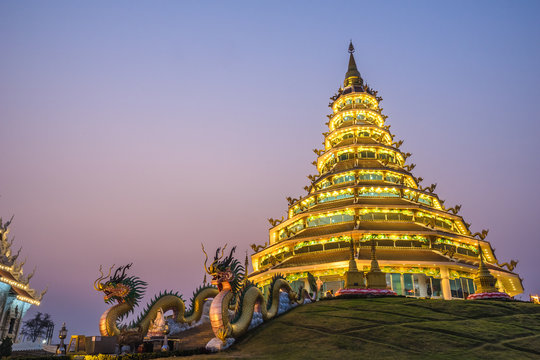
222	251
124	268
117	272
97	285
206	259
232	252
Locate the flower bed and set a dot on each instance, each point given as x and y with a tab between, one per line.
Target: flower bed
365	292
489	296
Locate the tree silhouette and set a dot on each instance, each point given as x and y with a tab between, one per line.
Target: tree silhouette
37	327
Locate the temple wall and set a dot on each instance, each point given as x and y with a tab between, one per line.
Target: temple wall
11	317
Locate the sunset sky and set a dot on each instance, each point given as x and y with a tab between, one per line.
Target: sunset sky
133	131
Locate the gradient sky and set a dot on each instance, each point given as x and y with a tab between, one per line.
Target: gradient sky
133	131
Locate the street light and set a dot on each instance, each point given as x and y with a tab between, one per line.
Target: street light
166	332
61	349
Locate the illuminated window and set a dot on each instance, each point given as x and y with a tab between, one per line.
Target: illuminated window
459	288
384	156
434	287
331	219
468	252
367	154
388	243
363	133
443	224
409	285
342	179
336	197
409	243
379	194
325	184
370	176
297	227
379	216
396	283
336	245
467	286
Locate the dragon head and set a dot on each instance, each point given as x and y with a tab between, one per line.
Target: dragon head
225	271
119	287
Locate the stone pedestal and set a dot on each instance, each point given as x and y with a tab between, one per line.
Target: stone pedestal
354	280
376	280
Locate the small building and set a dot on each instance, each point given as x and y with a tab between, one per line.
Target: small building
16	295
364	193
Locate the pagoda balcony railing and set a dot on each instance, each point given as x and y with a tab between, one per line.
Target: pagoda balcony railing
360	140
342	245
292	234
356	106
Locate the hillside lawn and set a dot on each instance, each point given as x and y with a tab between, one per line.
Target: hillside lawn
395	328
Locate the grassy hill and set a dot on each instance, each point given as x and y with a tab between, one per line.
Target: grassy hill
396	328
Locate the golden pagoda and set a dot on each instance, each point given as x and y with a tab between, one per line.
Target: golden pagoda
365	193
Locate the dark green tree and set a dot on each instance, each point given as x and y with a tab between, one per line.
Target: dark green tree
5	347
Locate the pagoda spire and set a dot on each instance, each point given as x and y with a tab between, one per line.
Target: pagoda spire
352	77
374	262
352	262
484	281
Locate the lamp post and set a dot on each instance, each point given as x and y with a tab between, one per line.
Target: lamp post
166	331
61	349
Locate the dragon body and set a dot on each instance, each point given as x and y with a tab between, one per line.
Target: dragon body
229	276
126	293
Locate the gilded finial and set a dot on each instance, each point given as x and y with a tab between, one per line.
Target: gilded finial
352	77
351	47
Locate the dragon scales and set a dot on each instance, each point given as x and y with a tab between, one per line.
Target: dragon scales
229	276
126	292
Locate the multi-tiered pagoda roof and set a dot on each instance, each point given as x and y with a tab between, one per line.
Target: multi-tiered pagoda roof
364	190
16	295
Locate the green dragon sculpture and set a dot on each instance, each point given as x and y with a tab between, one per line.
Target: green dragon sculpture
228	275
126	292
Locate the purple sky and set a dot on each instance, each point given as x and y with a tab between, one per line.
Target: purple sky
134	131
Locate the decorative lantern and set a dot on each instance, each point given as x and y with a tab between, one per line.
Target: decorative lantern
62	334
